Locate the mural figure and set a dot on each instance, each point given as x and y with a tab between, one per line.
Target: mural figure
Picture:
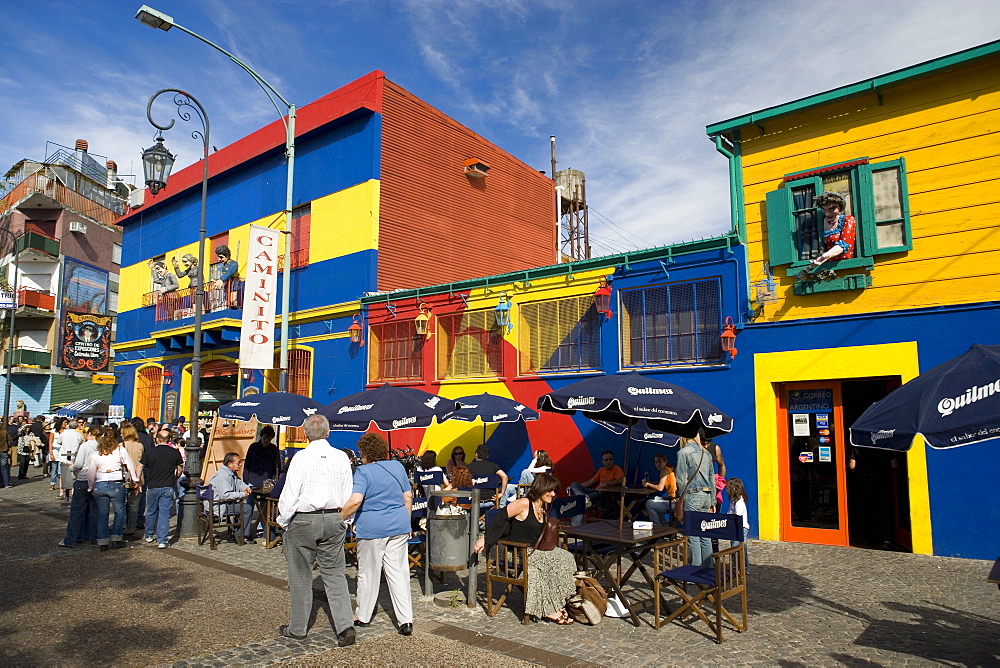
187	267
164	280
839	230
227	267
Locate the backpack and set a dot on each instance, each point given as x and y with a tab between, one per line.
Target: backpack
590	602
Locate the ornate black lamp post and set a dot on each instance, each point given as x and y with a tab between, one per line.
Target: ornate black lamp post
156	164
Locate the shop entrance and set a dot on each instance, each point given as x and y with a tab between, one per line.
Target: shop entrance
832	493
219	383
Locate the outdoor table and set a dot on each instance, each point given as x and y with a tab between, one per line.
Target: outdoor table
626	541
632	496
268	515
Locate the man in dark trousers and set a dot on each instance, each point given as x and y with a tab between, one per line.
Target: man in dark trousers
162	466
481	466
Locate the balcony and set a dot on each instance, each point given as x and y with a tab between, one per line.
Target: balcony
35	246
42	301
179	304
42	191
30	358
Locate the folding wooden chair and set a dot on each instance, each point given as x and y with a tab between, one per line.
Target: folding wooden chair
506	565
216	515
724	579
489	482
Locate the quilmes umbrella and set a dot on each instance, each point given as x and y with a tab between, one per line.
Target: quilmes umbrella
952	404
277	408
626	399
491	408
388	408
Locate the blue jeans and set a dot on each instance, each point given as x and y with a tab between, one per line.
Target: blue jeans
54	468
746	555
159	502
576	489
658	509
109	493
82	525
4	469
699	547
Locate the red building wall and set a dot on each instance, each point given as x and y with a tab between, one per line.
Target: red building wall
438	225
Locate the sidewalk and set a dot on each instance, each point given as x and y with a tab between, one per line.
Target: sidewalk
190	606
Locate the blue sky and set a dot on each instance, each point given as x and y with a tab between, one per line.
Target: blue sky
626	87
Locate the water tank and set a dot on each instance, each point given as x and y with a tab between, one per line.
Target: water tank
571	181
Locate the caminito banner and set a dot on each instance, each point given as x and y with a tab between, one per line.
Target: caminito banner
259	296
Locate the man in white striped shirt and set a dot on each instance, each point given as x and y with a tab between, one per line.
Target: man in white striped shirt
317	487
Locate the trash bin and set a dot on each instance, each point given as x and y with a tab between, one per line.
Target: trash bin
450	539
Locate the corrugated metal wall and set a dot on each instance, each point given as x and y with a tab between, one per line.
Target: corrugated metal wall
436	224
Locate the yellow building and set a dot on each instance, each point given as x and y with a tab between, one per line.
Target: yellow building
915	155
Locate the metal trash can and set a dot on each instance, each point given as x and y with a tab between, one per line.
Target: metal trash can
450	539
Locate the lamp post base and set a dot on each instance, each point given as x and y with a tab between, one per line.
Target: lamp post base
187	520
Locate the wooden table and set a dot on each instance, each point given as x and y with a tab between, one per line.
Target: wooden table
631	496
625	542
268	515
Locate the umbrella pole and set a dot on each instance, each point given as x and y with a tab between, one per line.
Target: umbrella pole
621	494
635	478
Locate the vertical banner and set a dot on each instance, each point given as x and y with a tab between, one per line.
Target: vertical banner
259	296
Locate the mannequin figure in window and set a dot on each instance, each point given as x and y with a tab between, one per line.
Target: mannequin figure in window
839	230
188	267
227	268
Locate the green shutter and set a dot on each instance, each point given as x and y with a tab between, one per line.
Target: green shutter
893	234
780	233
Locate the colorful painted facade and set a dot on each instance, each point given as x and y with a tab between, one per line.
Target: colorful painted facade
916	154
383	199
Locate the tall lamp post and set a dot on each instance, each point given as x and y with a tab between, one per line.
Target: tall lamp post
9	237
155	19
156	164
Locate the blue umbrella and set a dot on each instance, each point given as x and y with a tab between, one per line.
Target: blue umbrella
625	399
952	404
277	408
388	407
491	408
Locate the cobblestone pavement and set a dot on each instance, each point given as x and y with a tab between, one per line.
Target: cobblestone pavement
809	605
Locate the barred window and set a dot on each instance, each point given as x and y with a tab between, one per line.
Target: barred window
559	335
470	345
672	324
395	352
299	368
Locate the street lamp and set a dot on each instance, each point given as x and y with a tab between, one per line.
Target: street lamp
155	19
157	170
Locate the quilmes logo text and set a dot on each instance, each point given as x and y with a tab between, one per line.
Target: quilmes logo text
573	402
242	404
882	434
402	422
714	417
649	390
652	434
497	418
948	405
356	407
713	524
281	418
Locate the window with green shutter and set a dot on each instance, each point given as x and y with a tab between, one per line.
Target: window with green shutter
876	196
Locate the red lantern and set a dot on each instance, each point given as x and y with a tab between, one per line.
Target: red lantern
728	338
602	299
355	331
168	376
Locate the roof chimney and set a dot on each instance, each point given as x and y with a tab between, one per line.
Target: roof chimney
81	145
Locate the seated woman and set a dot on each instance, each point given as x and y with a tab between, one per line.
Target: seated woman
550	573
428	464
457	459
540	463
658	507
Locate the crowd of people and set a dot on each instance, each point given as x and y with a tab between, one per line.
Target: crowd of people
123	479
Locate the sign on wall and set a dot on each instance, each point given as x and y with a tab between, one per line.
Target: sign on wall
86	342
7	299
259	296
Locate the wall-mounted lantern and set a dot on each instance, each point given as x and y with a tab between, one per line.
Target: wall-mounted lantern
728	338
168	376
420	322
355	331
502	313
602	298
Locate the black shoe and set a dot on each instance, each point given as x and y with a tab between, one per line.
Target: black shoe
102	548
118	544
406	629
361	625
62	543
249	541
347	637
283	630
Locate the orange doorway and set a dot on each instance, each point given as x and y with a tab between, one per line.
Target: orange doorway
811	465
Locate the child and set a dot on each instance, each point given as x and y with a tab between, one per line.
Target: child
738	506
